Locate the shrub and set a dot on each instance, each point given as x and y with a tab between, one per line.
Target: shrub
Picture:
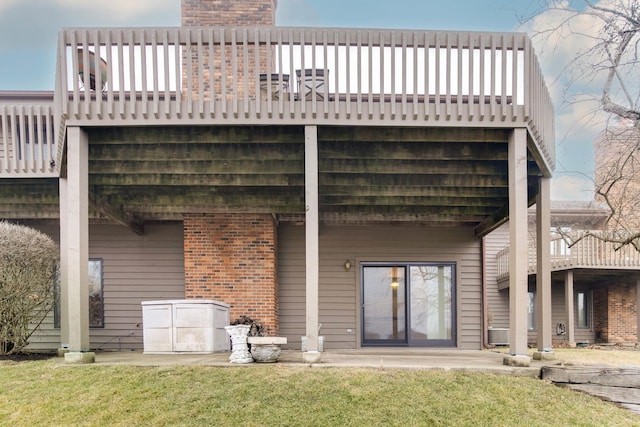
28	268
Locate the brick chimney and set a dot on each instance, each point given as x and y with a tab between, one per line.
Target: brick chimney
231	257
227	13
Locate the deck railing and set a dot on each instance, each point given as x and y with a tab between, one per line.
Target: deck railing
588	252
277	75
27	140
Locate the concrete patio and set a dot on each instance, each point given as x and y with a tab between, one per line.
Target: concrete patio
378	358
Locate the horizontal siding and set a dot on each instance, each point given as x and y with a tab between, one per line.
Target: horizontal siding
135	269
497	300
339	289
559	315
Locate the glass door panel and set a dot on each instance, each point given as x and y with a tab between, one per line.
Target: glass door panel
384	305
431	304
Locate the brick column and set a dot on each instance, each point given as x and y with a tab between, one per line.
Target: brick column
233	258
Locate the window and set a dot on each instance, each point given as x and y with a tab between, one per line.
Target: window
531	311
582	309
96	299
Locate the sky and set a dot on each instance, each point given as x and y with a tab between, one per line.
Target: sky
28	32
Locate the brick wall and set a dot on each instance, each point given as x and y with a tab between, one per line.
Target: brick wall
232	258
227	13
623	311
615	313
601	314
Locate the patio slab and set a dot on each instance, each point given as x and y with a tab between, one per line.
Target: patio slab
447	360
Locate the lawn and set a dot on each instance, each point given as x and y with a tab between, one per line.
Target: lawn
50	393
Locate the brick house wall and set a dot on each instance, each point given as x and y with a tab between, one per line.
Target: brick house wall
233	258
601	314
616	313
623	310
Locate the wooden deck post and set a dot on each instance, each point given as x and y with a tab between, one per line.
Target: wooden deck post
64	300
569	304
638	307
311	241
76	241
543	273
518	255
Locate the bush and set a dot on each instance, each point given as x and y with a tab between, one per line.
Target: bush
28	268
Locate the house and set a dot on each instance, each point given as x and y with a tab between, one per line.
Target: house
322	181
595	283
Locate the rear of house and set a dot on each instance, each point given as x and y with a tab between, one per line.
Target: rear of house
349	204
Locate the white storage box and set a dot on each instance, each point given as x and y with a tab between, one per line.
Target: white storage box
185	326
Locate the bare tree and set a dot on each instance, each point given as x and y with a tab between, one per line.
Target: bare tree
28	262
600	41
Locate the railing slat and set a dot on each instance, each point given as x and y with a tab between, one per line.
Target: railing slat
589	251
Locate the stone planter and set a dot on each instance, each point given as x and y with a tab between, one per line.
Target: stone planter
266	349
239	348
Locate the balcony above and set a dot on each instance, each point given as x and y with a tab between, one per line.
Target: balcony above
588	252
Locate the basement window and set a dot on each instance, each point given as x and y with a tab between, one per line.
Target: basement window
582	309
96	297
531	311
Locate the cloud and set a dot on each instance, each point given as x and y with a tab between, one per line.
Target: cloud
571	188
53	15
28	40
5	4
121	10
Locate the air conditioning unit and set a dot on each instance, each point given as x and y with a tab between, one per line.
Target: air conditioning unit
498	336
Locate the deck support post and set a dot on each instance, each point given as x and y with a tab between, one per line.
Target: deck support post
63	290
569	304
638	311
312	246
543	273
75	238
518	254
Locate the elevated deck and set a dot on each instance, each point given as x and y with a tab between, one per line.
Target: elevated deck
252	76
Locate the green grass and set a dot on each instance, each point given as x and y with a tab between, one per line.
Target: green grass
48	393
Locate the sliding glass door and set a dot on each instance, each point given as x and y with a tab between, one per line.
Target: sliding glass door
408	304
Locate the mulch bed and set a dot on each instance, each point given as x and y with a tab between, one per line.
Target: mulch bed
27	357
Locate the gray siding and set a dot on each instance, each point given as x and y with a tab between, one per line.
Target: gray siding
559	315
135	268
340	290
497	300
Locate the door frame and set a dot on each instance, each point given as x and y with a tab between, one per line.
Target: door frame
408	342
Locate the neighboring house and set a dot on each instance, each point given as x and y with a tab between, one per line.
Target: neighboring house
594	283
617	176
354	198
